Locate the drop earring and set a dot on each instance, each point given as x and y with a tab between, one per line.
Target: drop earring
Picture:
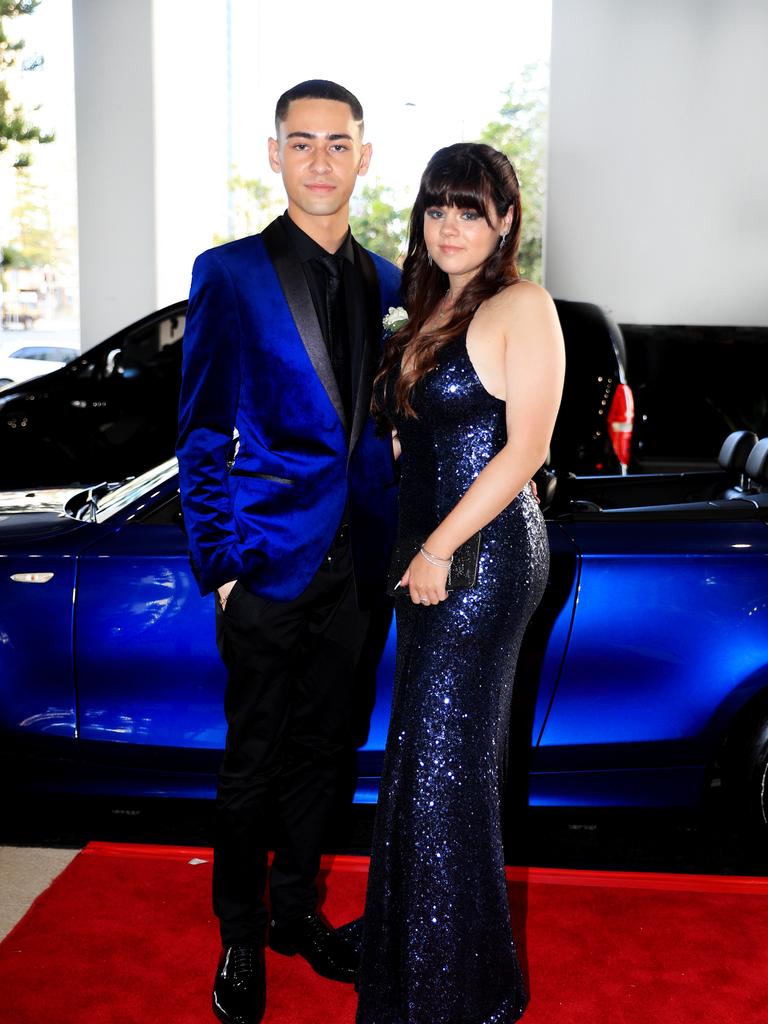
429	258
503	239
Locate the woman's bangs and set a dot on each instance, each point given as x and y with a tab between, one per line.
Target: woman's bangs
464	195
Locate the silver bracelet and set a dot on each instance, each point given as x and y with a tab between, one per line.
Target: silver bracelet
442	563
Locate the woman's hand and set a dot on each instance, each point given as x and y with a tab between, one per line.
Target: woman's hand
426	582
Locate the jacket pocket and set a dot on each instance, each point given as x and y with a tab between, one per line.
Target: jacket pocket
286	481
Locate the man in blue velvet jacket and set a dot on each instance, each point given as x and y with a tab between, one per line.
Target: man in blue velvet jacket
289	505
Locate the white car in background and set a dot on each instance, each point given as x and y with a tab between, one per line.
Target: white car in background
21	360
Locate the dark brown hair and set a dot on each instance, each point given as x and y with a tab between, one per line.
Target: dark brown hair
469	176
318	89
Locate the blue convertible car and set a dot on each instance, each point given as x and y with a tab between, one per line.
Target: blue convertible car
643	680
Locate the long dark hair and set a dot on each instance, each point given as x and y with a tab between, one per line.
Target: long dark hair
470	176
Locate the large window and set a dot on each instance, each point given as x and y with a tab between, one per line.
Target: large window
38	187
426	74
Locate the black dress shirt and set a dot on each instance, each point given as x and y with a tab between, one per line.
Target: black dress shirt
343	324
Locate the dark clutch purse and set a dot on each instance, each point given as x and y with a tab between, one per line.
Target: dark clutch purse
461	576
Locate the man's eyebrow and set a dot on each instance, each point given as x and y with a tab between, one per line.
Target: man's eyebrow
332	136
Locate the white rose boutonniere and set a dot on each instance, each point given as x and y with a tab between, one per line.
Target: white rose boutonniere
394	320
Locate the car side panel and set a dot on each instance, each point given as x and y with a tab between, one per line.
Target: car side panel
148	671
670	639
37	694
149	674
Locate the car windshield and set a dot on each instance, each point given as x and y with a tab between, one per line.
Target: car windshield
100	502
46	354
122	496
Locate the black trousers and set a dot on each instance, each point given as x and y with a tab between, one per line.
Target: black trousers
288	703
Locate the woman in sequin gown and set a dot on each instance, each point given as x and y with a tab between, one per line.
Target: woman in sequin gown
436	945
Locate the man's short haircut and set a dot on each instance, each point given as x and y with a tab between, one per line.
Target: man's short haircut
317	89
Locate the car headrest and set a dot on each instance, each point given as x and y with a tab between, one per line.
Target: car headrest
757	463
546	485
735	450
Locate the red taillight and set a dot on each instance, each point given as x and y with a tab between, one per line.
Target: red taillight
621	418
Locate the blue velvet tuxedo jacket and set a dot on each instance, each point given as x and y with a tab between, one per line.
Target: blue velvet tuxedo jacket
254	359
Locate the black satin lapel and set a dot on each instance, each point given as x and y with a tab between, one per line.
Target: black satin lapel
371	343
297	295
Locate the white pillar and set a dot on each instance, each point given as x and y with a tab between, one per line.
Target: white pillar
150	88
656	199
115	163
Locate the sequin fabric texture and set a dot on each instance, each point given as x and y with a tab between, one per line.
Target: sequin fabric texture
437	945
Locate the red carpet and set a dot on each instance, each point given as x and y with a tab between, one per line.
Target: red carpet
125	935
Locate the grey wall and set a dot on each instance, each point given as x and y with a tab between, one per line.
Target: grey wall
657	203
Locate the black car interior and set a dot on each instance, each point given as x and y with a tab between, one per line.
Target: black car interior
738	489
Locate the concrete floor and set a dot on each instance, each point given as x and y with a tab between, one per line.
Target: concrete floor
25	872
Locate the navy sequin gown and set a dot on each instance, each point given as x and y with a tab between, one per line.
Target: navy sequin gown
437	946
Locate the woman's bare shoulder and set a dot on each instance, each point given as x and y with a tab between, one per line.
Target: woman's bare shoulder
523	298
523	305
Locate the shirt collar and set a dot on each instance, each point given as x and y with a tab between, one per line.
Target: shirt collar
306	248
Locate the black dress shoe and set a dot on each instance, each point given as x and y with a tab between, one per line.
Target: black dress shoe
240	988
320	946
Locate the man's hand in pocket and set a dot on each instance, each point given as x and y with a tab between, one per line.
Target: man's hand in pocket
224	591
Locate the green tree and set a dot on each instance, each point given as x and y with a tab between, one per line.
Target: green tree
520	132
36	240
379	225
14	126
12	257
254	205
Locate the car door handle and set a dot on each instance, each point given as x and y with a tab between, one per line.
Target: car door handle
32	577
